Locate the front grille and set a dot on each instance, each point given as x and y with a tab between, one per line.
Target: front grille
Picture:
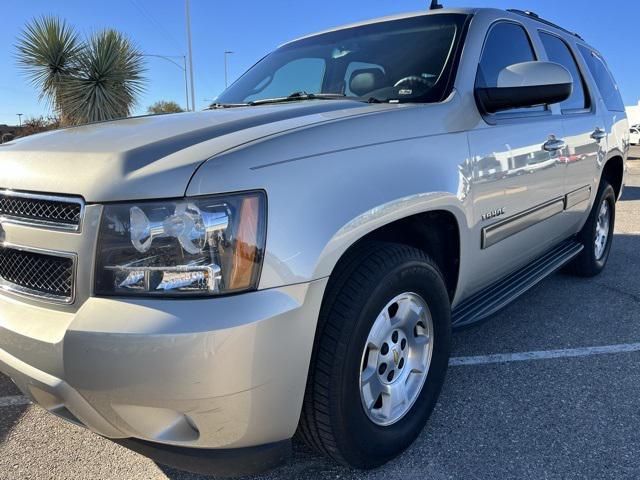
36	274
45	210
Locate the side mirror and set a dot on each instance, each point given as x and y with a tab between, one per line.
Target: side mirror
527	84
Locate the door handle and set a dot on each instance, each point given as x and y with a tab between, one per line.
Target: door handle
553	144
598	134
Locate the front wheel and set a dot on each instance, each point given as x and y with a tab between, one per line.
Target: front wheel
597	234
380	356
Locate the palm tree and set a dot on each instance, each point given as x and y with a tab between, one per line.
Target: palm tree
108	80
95	80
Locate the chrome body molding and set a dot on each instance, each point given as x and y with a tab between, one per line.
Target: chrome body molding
42	223
499	231
577	197
19	290
512	225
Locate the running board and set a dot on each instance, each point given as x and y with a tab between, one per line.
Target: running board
500	294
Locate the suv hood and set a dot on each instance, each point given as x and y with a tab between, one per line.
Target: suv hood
149	157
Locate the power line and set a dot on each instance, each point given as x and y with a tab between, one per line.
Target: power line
153	20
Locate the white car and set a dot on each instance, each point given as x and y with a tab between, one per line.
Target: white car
634	135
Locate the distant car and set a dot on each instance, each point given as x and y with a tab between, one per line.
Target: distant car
634	135
571	158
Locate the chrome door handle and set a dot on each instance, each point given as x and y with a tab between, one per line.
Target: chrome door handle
553	145
598	134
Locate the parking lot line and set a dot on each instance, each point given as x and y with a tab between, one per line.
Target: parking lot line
471	360
13	401
544	354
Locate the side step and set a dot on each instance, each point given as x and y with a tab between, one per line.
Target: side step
500	294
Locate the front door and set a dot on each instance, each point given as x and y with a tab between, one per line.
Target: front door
518	176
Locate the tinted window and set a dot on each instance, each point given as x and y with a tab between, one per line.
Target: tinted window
506	44
606	84
406	60
558	52
304	74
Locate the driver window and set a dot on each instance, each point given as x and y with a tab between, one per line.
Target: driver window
507	43
304	74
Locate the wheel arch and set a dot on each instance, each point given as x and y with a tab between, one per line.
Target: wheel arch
437	231
613	172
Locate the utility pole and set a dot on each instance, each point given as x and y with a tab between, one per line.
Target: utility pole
19	119
226	76
193	94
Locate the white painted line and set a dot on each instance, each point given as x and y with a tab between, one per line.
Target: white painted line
13	401
460	361
544	354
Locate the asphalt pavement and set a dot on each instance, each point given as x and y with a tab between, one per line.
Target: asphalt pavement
570	409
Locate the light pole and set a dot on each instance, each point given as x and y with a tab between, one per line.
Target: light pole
19	119
226	76
183	67
188	17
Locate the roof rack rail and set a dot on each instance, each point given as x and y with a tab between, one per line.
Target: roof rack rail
535	16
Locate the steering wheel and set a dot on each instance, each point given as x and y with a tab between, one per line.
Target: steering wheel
414	80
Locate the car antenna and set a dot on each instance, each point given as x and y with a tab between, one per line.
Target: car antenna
435	5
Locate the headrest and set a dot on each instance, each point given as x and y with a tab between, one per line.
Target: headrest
366	80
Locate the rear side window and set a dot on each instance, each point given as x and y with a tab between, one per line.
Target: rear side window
606	84
506	44
558	52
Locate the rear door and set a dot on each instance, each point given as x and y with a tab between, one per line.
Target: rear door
609	102
584	132
518	175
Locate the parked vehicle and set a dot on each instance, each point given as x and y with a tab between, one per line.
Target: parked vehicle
201	286
634	136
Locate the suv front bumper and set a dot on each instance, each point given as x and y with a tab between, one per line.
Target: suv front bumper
223	373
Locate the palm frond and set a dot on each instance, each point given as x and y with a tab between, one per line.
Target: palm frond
47	50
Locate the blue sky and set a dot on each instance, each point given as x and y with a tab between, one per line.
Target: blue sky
253	28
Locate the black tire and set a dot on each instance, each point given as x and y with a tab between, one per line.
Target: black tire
333	420
587	264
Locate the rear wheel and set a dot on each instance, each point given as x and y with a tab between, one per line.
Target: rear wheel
597	234
380	357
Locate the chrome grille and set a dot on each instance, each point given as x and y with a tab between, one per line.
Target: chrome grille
37	274
41	210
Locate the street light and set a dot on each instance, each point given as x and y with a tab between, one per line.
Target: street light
183	67
226	54
19	119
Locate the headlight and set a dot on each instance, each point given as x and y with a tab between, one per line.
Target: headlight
193	246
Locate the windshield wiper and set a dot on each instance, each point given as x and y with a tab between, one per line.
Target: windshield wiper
215	106
297	96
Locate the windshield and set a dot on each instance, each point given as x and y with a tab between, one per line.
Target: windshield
408	60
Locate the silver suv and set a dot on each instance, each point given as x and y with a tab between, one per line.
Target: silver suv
200	287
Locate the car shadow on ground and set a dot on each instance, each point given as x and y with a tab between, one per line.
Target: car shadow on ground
10	417
630	193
